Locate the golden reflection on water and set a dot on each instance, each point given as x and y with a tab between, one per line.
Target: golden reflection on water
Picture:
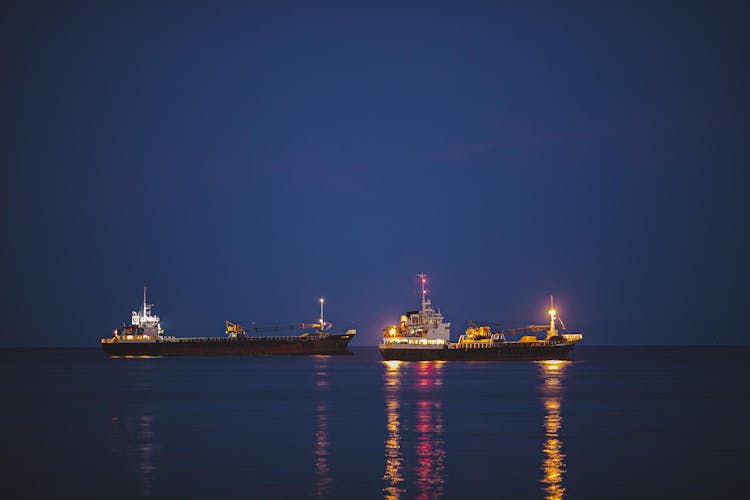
393	458
321	452
553	462
421	380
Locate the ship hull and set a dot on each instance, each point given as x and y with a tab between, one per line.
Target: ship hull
505	352
258	346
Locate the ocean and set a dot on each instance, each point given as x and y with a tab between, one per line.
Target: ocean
614	422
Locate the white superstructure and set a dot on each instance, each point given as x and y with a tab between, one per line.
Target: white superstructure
422	329
144	319
144	326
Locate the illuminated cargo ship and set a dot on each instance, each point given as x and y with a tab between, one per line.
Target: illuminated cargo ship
145	337
423	336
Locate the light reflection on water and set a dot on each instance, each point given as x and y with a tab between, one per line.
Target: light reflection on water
414	449
133	448
553	462
227	427
322	466
393	458
430	468
422	381
135	443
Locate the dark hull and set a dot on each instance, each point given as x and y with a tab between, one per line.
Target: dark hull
506	352
331	344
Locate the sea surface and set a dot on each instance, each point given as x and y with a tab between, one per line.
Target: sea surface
635	422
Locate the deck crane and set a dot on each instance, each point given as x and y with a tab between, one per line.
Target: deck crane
482	332
235	330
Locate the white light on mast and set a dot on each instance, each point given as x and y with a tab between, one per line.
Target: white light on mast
322	323
552	314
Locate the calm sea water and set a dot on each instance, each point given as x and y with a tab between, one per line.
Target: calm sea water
614	422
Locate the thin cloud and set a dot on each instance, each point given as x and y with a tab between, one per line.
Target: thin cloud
624	131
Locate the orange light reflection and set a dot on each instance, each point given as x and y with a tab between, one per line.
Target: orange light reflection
393	458
553	462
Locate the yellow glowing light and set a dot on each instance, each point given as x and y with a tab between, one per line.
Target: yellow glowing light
392	331
552	366
554	458
393	364
129	337
553	464
552	312
393	457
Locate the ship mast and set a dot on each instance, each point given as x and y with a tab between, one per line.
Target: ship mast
423	282
552	313
322	322
143	312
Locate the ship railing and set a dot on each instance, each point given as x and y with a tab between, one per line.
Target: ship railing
125	339
287	338
413	341
573	337
475	345
538	343
491	345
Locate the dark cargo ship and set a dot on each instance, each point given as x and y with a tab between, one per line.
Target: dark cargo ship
145	337
423	336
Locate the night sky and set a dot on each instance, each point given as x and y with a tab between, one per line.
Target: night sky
243	161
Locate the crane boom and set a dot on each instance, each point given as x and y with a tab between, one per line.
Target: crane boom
274	328
526	329
511	331
237	330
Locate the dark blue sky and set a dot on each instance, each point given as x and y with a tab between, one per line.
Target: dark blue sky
244	160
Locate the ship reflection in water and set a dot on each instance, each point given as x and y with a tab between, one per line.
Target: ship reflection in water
553	464
322	467
419	402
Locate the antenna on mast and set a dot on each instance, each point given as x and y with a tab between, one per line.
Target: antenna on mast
144	302
423	282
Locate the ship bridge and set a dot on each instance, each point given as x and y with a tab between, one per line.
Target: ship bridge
423	327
